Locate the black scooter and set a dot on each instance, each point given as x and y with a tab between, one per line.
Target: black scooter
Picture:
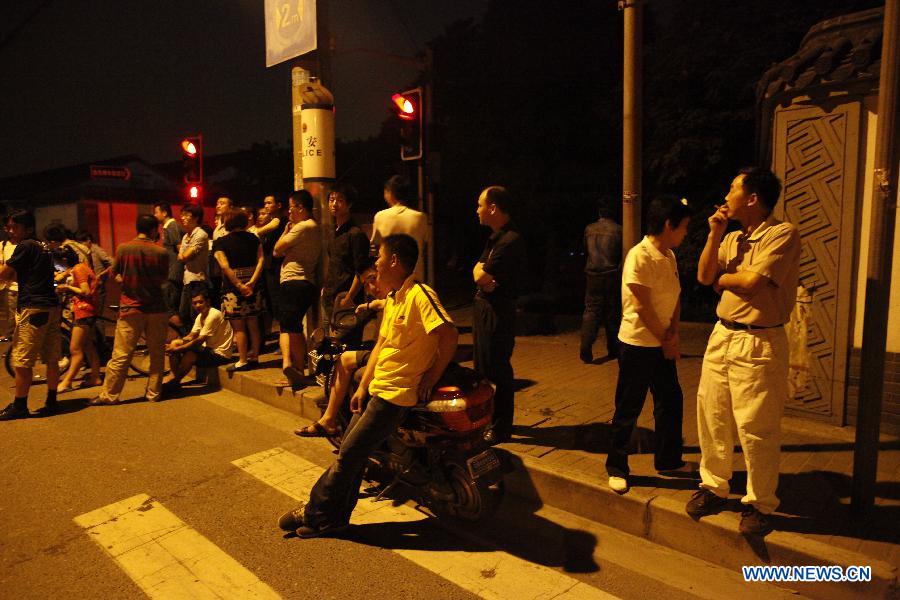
439	450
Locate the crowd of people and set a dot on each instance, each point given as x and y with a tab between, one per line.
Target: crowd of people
223	288
215	287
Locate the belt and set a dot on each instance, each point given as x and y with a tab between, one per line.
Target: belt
735	326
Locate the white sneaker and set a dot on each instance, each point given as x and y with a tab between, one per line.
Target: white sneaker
618	484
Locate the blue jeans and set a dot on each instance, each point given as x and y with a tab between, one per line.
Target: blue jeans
334	496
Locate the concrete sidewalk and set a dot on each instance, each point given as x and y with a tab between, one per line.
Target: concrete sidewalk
559	447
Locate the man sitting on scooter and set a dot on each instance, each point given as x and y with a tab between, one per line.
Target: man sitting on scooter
415	344
347	363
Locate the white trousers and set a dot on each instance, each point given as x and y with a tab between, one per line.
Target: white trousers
743	382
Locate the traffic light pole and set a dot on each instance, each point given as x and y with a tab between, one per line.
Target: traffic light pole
424	180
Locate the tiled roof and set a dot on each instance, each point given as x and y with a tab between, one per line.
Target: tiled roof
834	54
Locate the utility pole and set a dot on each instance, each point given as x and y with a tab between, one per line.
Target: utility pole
323	37
631	124
878	279
425	188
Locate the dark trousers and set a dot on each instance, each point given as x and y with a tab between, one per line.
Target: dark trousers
172	296
639	369
602	307
273	284
494	336
186	311
333	498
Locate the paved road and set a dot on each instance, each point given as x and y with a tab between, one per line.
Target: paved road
180	498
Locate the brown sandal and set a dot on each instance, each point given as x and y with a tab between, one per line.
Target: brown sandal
316	430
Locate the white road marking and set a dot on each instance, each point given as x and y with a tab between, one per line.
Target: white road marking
166	558
492	574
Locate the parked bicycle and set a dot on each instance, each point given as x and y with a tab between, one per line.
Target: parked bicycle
104	334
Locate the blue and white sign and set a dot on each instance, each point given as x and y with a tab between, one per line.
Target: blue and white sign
290	29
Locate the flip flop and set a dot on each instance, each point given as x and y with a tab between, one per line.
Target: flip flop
316	430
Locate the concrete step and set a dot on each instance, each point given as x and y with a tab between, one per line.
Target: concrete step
714	539
657	519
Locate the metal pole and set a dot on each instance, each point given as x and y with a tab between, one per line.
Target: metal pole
878	282
426	173
299	79
631	125
323	41
425	168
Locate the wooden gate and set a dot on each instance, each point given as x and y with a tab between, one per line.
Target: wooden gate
816	154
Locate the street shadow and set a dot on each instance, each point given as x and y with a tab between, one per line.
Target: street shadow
588	437
603	360
424	534
268	363
513	527
518	530
671	483
522	384
195	388
64	407
818	502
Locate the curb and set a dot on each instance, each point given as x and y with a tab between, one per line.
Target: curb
714	539
659	519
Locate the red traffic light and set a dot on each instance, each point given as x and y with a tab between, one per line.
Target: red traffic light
409	108
192	159
194	191
407	105
189	147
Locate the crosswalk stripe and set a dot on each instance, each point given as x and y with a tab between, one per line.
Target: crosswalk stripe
492	574
166	558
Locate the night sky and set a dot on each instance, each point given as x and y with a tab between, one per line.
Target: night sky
88	80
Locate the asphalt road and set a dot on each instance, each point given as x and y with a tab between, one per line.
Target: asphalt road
209	463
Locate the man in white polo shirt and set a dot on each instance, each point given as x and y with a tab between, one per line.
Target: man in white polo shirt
207	345
400	217
649	342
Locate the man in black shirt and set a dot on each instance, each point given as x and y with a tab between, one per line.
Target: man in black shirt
37	314
497	276
268	233
172	235
348	252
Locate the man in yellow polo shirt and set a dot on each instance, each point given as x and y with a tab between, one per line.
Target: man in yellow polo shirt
416	342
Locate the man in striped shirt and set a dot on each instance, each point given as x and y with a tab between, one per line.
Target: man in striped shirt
143	267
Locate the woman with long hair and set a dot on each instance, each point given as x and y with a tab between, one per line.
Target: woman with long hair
82	286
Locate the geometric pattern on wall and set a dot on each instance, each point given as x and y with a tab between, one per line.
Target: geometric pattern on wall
813	196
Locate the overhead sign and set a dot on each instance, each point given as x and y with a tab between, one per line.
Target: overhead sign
105	172
290	29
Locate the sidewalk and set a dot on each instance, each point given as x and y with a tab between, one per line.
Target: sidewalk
558	453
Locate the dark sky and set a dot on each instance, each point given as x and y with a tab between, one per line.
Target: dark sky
93	79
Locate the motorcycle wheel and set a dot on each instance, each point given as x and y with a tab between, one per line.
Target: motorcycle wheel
474	499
